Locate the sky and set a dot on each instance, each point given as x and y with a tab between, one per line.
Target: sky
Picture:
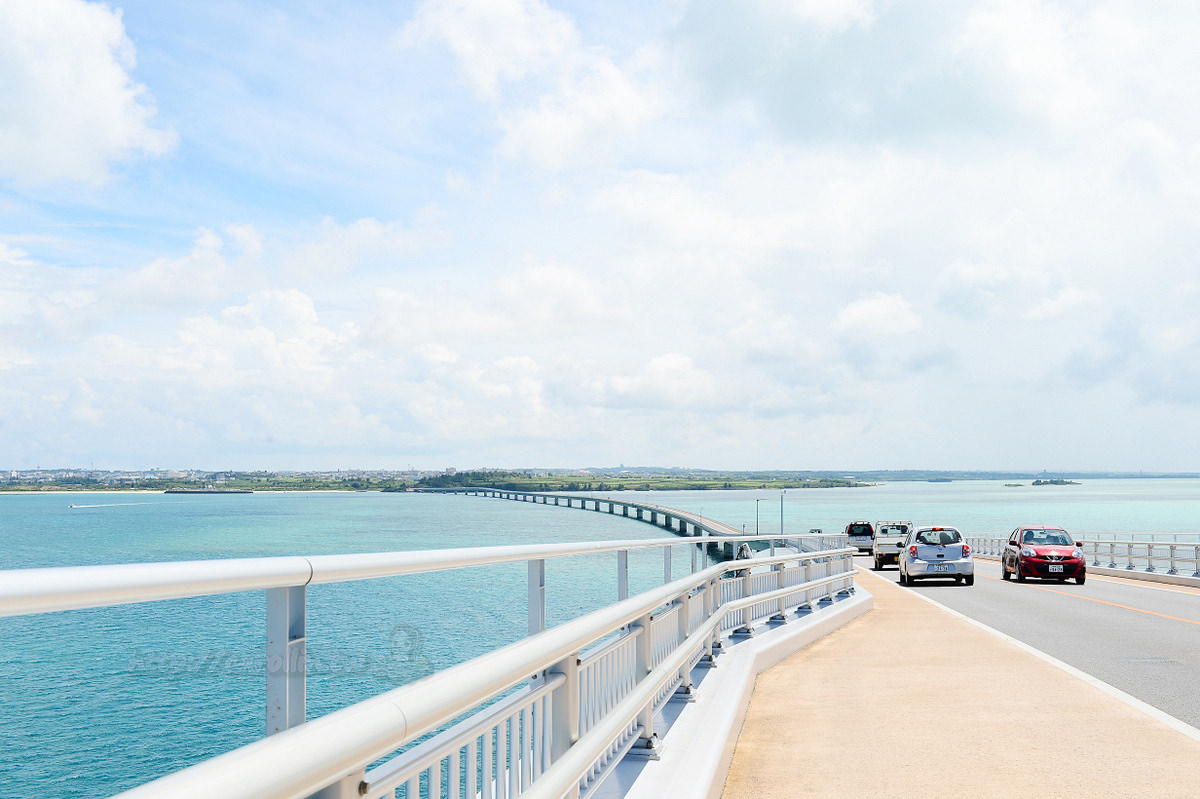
726	234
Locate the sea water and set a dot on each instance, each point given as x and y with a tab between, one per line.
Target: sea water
97	701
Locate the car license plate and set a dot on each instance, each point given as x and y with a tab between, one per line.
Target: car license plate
945	567
1055	568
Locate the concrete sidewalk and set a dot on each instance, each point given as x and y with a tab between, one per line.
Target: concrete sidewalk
912	701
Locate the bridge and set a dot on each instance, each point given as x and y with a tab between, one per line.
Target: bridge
681	522
839	681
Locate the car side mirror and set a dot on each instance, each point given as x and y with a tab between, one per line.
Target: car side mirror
1012	543
1079	544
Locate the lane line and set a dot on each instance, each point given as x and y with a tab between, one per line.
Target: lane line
1130	581
1103	602
1130	700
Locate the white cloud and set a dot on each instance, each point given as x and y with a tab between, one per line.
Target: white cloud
1065	301
834	15
878	317
557	101
71	106
494	41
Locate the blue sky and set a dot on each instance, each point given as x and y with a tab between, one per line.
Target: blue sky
791	234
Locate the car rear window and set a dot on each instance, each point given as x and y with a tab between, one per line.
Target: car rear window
893	529
860	529
938	537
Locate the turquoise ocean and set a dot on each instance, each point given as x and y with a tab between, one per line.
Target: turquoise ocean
96	701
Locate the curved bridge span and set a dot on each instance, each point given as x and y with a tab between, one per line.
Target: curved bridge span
680	522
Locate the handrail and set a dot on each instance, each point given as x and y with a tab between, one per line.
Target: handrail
44	590
303	759
566	771
1117	553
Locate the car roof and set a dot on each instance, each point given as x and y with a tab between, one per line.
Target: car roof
1039	527
941	527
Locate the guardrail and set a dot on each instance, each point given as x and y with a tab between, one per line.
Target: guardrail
1161	557
549	715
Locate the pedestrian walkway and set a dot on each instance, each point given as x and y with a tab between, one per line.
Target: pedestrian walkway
912	701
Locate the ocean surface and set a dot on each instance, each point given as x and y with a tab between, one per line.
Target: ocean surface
96	701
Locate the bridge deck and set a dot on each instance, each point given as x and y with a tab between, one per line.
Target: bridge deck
910	700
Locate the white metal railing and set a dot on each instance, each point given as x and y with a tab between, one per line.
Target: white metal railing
1167	557
597	682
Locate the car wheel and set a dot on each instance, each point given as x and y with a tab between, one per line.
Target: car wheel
878	566
958	579
903	577
1018	573
1003	570
1079	580
969	579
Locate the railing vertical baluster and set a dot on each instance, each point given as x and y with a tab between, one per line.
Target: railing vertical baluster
472	788
487	761
622	574
666	565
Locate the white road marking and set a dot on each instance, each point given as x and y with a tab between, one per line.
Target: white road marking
1116	693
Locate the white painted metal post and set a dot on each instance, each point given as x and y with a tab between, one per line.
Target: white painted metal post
564	718
622	574
285	658
644	665
537	596
666	565
685	625
779	615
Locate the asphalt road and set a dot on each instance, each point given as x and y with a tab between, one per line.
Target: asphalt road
1140	637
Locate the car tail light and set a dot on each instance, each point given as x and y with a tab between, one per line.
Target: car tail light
966	550
912	552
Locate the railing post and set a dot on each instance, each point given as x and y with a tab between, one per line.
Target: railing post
285	658
779	583
684	616
1112	554
564	713
712	601
647	743
1173	570
622	574
1129	556
746	590
537	596
666	565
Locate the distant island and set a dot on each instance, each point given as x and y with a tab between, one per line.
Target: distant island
618	478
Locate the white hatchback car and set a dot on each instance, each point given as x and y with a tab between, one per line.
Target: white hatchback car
936	552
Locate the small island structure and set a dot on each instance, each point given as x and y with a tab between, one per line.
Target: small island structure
1056	482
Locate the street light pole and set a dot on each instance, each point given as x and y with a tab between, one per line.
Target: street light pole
756	532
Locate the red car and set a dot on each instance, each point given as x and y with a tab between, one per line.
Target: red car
1047	552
